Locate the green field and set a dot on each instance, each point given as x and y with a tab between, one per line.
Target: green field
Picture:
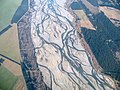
7	10
7	79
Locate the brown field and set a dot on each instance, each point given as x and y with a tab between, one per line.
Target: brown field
20	84
111	13
84	22
9	45
12	67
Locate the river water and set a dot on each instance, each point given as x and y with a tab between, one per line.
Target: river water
63	61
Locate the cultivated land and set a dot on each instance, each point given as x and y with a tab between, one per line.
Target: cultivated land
20	85
9	45
112	13
12	66
7	10
16	70
7	79
84	20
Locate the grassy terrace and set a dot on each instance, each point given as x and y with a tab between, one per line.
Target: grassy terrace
7	79
7	10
